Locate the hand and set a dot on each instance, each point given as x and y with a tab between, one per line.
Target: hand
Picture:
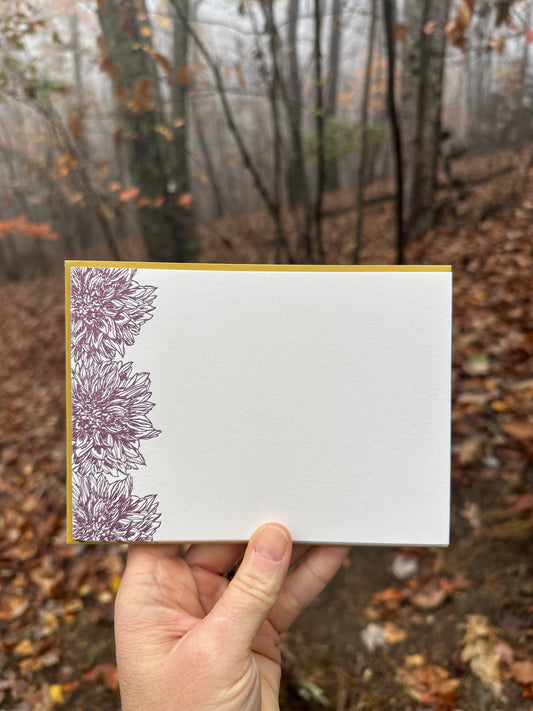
189	640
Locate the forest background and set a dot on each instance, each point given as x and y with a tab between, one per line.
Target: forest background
296	131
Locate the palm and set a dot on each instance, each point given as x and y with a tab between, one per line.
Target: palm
168	600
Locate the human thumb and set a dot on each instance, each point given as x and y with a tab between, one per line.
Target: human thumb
252	593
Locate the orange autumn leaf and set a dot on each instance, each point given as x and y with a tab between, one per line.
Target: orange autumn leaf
108	66
522	672
497	44
19	225
185	201
400	32
182	75
128	194
103	673
464	13
142	96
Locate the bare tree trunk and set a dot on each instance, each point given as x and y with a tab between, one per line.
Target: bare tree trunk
296	169
165	232
525	51
10	258
422	73
198	124
180	184
319	122
273	90
332	87
364	136
209	166
388	20
297	181
78	124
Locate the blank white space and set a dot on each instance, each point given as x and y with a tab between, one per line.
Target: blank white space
317	399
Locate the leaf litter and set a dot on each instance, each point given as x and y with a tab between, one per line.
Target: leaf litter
449	622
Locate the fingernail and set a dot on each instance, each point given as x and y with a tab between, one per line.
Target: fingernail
271	543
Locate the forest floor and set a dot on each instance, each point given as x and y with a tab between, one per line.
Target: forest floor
415	629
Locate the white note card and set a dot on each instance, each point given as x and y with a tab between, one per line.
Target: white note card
205	400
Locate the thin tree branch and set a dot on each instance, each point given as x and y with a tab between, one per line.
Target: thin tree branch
395	128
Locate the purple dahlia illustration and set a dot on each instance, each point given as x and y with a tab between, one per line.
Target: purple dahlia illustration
106	512
110	406
108	308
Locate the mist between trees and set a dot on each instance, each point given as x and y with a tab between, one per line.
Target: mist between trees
125	124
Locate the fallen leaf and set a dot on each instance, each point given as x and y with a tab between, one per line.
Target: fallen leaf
471	449
477	364
29	665
104	673
414	660
373	637
55	692
14	608
25	648
479	644
393	633
519	429
427	683
472	513
390	598
523	502
404	566
522	672
428	598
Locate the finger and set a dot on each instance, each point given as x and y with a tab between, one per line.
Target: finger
210	588
252	593
156	575
306	582
299	551
215	557
145	554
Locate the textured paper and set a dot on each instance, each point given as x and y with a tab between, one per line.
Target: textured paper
205	400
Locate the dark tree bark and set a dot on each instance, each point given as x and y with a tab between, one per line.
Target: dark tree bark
179	97
275	82
320	125
364	136
422	75
78	115
296	168
388	20
164	226
332	87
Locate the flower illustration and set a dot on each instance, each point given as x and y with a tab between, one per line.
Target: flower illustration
109	406
104	512
109	417
108	308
